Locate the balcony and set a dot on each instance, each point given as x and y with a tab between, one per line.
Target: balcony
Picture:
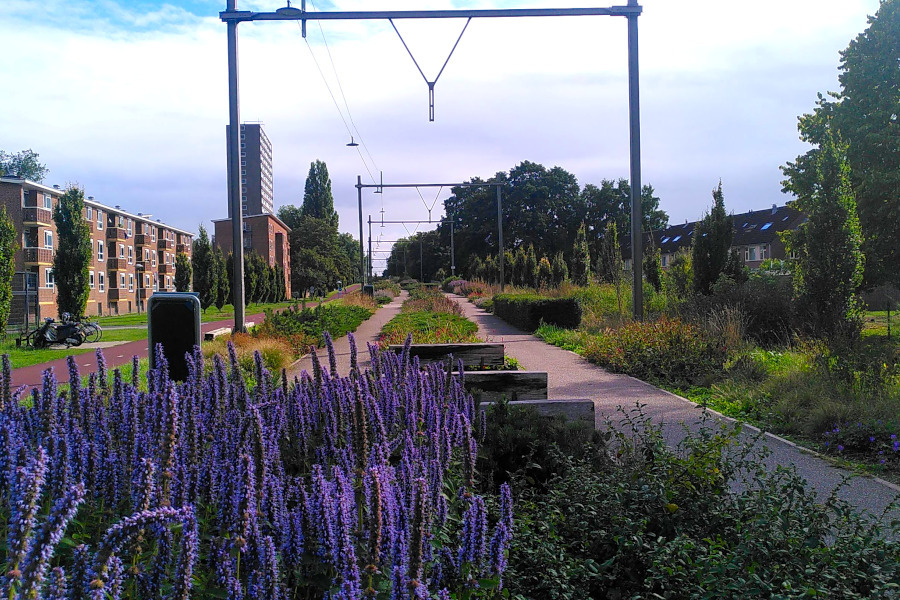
116	264
142	239
182	248
116	294
165	244
38	256
165	269
37	216
144	293
115	233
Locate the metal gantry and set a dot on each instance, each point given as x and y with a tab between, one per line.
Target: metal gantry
360	186
233	17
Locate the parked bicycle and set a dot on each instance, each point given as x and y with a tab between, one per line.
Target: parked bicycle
67	331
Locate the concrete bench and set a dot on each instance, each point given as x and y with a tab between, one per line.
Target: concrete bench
211	335
472	355
492	386
570	408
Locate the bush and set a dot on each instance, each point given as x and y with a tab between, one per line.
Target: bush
669	351
387	285
527	311
428	328
302	327
651	522
276	353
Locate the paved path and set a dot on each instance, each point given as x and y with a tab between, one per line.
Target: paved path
367	332
571	376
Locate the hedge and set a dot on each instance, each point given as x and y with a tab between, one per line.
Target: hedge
526	311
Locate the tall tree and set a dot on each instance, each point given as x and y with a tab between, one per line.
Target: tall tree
531	267
829	269
223	281
581	258
613	266
712	243
204	270
560	269
8	248
182	273
864	114
653	267
318	201
23	164
73	253
612	202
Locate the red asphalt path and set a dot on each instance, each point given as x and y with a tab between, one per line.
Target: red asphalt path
116	356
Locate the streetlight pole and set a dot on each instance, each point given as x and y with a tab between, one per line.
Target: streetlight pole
370	247
500	255
452	247
634	120
234	174
362	254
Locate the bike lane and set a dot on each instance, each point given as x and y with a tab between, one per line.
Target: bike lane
121	354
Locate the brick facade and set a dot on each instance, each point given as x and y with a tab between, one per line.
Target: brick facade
267	235
132	256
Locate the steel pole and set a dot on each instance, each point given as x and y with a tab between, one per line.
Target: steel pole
500	233
362	252
452	247
370	247
234	175
421	259
634	119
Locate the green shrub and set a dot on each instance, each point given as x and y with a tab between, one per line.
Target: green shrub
527	311
647	521
388	285
428	328
310	323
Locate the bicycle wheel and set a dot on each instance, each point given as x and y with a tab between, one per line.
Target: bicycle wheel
92	332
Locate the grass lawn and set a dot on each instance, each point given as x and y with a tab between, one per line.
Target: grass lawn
210	314
25	357
124	335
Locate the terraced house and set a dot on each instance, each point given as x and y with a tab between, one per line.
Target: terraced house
133	255
755	236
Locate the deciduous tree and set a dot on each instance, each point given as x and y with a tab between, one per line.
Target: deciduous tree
23	164
73	253
318	201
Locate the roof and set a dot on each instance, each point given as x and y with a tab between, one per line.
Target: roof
93	203
269	215
753	227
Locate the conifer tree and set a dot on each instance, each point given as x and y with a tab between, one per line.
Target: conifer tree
73	253
712	244
531	267
581	258
8	248
204	270
182	273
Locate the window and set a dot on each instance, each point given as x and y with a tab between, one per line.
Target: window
91	279
147	282
48	201
131	282
100	250
89	214
664	240
121	281
130	222
766	226
101	281
48	278
168	280
48	239
155	282
154	259
752	253
121	250
130	254
676	238
763	252
664	260
153	233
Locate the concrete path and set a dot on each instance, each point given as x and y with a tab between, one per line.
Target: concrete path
367	332
571	376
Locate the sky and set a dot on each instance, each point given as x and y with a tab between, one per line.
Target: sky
128	99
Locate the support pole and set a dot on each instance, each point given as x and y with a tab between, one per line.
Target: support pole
370	247
234	175
502	258
452	247
421	259
634	119
362	253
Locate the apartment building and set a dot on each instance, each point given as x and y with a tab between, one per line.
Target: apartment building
257	191
755	236
264	233
133	255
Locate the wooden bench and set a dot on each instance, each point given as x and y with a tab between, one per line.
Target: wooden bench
570	408
492	386
211	335
472	355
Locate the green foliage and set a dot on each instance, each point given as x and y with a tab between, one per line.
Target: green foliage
8	247
559	269
223	282
829	269
581	258
428	328
531	267
73	253
528	311
317	260
653	267
204	270
318	201
648	521
678	280
182	273
299	325
544	274
24	164
666	350
711	244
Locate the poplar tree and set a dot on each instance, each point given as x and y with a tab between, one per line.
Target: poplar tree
73	253
8	248
581	258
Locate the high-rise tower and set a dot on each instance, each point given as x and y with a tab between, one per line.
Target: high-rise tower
256	171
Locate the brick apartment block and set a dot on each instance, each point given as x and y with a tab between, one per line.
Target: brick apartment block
133	256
